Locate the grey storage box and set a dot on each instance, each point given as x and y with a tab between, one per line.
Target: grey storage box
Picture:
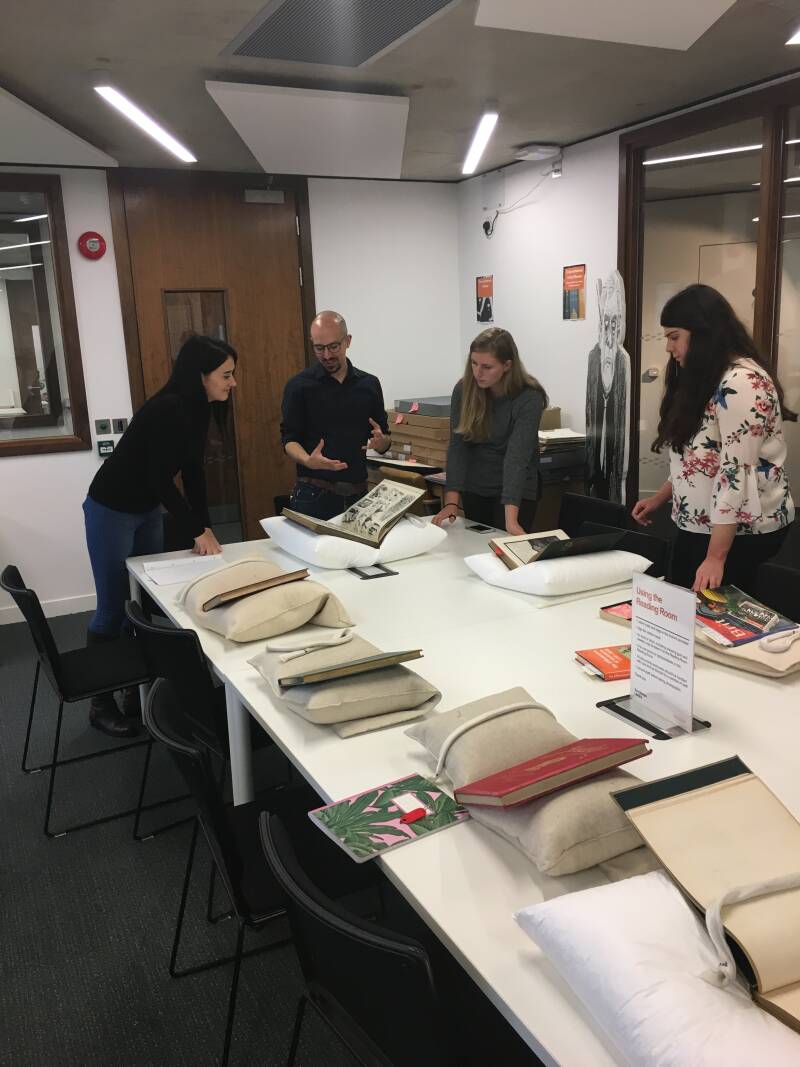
438	406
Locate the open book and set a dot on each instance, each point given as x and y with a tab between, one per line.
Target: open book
718	828
242	591
345	670
370	518
518	549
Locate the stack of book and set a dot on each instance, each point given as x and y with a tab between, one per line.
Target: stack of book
419	438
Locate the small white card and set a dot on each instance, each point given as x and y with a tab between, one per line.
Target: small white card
662	652
408	802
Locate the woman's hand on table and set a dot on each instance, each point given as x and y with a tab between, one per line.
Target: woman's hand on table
447	515
207	544
709	574
514	528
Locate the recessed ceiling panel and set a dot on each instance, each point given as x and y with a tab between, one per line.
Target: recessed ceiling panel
340	33
30	137
654	23
315	132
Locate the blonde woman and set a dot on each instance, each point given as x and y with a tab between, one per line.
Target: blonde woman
493	456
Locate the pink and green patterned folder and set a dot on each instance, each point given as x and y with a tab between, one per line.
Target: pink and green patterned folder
371	823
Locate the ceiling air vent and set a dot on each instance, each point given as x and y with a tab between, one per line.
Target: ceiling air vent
338	33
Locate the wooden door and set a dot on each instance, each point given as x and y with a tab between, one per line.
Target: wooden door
194	233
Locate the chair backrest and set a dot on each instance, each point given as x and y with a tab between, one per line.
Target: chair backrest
176	655
165	722
656	549
28	603
377	985
778	587
576	509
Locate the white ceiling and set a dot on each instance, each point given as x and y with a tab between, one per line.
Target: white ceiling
317	132
30	137
654	23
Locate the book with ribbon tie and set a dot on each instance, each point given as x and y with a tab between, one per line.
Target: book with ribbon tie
734	849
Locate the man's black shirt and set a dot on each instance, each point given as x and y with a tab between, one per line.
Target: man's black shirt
316	406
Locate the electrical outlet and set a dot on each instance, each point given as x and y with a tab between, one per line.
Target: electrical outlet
102	426
105	448
120	425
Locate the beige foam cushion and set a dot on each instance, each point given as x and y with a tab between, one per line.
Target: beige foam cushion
568	831
392	689
273	611
750	657
496	744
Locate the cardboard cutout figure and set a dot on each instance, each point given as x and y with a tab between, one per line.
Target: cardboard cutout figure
608	397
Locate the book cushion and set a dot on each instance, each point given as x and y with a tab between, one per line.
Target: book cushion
634	953
390	690
558	577
264	614
751	657
406	539
562	833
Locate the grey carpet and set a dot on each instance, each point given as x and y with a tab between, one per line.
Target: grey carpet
87	920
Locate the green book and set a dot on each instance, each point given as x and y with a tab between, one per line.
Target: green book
371	823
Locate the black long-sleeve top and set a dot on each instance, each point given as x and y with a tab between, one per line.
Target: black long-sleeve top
318	407
166	436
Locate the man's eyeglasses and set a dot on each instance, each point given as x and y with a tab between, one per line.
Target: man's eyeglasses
333	347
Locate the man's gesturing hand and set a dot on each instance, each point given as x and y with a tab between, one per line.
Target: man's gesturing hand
316	461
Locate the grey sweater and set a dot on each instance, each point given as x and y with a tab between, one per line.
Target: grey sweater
507	464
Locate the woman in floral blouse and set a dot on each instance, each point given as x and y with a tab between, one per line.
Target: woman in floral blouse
722	419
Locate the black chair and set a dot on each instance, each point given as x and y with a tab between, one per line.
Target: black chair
374	988
176	655
778	587
576	509
77	675
656	549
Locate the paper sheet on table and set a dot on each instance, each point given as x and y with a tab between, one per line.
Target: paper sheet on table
179	571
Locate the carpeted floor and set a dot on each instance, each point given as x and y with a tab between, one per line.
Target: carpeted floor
88	919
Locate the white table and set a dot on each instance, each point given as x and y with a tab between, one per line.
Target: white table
477	639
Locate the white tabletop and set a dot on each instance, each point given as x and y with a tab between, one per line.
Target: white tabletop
477	640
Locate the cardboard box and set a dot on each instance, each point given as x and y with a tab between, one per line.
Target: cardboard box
430	421
551	419
419	433
429	405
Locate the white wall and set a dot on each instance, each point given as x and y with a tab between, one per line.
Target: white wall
385	256
41	529
569	220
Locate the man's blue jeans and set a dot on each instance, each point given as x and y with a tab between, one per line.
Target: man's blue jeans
112	536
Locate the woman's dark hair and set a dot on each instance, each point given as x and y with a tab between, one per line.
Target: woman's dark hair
717	339
200	355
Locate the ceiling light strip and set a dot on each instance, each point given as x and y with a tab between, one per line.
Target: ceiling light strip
31	218
25	244
21	266
703	155
480	140
135	115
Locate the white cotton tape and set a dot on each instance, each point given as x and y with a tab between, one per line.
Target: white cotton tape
485	716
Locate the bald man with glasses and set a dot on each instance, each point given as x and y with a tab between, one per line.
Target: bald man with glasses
332	413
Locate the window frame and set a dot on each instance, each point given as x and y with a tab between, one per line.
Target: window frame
80	438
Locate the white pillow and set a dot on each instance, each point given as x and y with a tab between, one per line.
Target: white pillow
634	952
555	577
403	540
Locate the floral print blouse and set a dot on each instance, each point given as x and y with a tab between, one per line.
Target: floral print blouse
733	468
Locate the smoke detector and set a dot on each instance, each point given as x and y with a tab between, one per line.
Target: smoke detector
531	153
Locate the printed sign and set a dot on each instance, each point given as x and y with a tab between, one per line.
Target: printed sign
484	297
662	652
574	292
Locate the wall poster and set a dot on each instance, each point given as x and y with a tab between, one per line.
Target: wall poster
484	297
574	291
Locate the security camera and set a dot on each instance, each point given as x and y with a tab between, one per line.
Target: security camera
487	227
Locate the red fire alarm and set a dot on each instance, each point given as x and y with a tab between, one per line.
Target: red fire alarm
92	245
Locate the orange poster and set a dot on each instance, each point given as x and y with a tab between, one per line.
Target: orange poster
574	291
484	294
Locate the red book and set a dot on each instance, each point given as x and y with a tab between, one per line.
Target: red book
611	662
553	771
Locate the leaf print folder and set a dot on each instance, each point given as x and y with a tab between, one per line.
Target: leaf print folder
371	823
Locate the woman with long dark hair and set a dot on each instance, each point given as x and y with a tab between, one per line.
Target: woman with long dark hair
166	437
493	455
722	420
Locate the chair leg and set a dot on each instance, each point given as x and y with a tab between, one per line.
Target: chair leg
237	966
145	770
184	894
141	806
298	1024
53	767
25	767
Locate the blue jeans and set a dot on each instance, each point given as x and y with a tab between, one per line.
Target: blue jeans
112	536
319	503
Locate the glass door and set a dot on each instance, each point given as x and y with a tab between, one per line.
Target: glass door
788	343
700	224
